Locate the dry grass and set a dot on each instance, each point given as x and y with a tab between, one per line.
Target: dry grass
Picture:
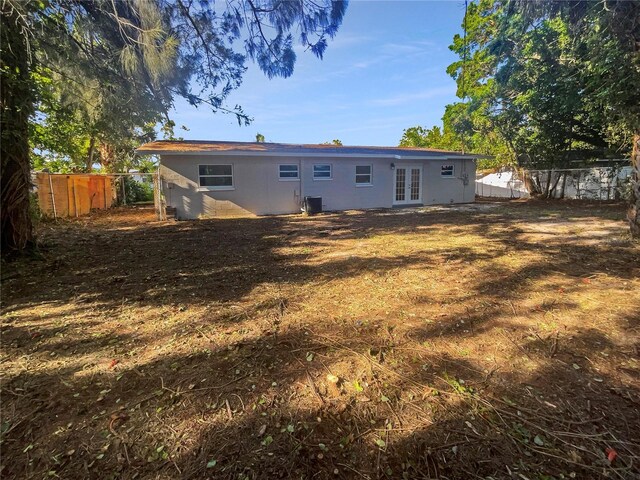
492	341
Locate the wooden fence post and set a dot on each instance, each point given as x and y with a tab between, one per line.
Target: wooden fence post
73	190
53	198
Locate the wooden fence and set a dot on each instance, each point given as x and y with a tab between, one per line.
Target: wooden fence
72	195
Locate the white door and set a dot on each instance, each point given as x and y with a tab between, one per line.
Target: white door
407	185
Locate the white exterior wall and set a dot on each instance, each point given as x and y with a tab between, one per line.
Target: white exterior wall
440	190
257	189
341	192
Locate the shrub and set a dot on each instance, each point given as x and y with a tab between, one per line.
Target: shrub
137	191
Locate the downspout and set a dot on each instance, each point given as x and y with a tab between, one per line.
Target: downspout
465	180
301	183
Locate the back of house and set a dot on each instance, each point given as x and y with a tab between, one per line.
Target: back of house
202	179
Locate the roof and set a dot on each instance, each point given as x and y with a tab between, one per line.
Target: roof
204	147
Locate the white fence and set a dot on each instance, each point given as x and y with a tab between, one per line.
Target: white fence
597	183
505	184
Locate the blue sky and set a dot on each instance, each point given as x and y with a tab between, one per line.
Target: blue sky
383	72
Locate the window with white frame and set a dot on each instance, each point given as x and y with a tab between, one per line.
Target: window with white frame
364	175
322	171
446	171
216	177
288	172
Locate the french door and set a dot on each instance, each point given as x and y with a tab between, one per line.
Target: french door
407	185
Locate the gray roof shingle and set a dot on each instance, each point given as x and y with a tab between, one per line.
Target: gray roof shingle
190	147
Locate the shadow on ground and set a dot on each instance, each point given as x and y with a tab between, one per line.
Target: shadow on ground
496	342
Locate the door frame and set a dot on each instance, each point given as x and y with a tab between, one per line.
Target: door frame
407	188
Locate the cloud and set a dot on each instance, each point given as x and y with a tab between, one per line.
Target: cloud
411	48
391	52
346	40
365	64
404	98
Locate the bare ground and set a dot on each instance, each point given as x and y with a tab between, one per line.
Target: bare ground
499	340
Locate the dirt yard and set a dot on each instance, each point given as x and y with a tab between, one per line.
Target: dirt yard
499	340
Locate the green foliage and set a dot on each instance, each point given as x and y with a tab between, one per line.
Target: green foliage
447	139
544	91
259	138
543	83
106	75
468	125
431	138
59	139
333	142
137	191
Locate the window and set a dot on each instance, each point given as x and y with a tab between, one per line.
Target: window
216	177
322	172
288	172
446	171
363	175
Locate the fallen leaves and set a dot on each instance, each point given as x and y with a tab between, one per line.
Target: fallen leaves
397	331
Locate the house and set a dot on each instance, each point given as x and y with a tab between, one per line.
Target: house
216	179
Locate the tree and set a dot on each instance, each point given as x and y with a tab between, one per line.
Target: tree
474	120
550	82
540	96
135	58
609	31
442	139
16	104
333	142
259	138
75	136
469	125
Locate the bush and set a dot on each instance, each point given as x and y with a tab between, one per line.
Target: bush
137	191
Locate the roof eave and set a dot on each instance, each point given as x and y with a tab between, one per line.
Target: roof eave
426	156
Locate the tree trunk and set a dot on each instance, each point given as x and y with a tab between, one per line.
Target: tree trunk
107	156
90	154
552	192
529	183
548	185
633	213
16	105
564	185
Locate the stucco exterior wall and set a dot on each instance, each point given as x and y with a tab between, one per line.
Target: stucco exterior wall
440	190
341	192
257	189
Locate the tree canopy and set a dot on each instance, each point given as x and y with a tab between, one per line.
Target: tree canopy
538	87
133	58
335	141
547	84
